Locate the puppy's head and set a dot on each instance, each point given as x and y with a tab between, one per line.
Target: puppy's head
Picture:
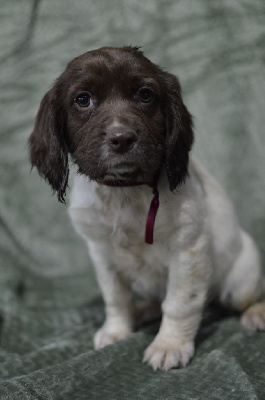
118	115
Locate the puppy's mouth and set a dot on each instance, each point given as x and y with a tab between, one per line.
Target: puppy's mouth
122	171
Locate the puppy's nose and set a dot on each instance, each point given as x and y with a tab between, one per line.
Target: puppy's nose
122	141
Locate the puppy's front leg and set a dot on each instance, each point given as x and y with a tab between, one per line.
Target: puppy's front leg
117	296
182	309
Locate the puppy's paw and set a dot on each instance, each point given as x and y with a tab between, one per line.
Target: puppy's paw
164	356
109	334
254	317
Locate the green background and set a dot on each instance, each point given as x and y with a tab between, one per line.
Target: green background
50	305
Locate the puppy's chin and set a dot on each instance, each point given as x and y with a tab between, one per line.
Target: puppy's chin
121	169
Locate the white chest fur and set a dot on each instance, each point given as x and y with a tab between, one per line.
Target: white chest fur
114	220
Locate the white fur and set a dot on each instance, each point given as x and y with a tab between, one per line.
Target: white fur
199	252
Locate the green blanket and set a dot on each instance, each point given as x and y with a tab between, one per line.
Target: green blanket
50	305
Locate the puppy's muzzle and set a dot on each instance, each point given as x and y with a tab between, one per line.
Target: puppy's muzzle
122	142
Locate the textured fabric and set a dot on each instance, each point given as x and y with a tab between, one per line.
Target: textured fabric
50	305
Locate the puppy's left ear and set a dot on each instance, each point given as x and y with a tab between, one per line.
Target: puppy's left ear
47	148
179	133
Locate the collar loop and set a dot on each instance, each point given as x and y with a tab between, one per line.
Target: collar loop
150	222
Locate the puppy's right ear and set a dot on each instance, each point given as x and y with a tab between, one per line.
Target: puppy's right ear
48	151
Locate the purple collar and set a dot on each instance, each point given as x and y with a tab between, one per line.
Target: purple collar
154	205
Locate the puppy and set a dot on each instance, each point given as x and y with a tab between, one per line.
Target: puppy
123	122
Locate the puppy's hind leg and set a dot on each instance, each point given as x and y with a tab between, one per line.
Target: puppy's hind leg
244	287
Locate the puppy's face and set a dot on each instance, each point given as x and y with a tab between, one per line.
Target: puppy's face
118	115
115	123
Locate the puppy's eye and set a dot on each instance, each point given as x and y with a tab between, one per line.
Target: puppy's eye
84	100
145	95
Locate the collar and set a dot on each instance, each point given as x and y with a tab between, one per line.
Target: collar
154	205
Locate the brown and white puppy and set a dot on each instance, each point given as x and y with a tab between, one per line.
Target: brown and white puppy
123	122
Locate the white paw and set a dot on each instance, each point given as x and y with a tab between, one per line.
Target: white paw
254	317
109	334
161	355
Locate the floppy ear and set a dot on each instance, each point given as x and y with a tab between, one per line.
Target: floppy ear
179	135
47	148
